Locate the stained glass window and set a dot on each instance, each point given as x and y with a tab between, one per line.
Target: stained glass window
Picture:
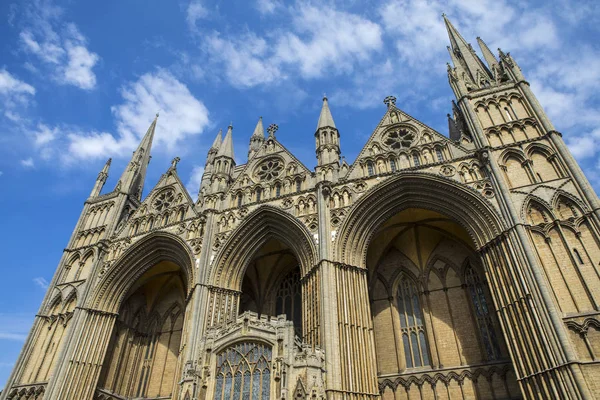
416	350
482	314
244	371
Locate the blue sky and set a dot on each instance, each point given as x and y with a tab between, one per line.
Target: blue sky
81	82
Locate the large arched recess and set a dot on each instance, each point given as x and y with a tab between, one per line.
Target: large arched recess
265	223
135	262
414	190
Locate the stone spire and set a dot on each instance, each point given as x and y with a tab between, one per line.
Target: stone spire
325	119
226	149
463	54
328	145
223	164
489	57
132	180
214	149
102	176
257	139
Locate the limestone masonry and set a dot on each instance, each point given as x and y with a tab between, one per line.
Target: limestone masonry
433	267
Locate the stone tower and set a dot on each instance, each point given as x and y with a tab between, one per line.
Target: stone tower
458	266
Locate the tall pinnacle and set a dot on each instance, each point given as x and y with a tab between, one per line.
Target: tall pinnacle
490	59
218	139
259	131
463	53
102	176
226	149
325	119
132	180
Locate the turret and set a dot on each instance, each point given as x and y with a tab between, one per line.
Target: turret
101	180
209	166
257	139
223	164
132	180
327	143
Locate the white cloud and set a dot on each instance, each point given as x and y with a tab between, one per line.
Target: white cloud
319	44
181	116
14	94
41	282
45	135
245	59
193	184
311	46
267	6
28	163
60	46
195	11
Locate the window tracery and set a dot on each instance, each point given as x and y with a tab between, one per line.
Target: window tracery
412	326
269	169
289	300
164	200
482	314
399	138
243	372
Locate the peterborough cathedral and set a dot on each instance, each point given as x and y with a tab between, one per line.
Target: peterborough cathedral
459	266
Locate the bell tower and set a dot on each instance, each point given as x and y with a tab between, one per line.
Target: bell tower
535	179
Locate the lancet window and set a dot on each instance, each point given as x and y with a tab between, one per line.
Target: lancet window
289	300
412	326
482	314
370	168
243	372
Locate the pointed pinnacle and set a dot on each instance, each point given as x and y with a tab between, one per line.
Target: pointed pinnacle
325	118
259	131
218	139
226	149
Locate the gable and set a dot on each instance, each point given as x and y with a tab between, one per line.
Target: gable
167	203
396	141
271	164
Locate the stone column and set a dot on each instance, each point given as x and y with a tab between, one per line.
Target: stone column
78	375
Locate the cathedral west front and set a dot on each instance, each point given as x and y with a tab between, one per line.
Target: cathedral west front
452	266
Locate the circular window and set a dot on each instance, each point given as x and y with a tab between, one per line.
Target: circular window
399	138
164	200
269	169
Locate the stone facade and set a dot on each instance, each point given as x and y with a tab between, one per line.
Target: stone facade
433	267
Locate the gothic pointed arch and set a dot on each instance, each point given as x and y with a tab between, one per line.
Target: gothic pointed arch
114	285
265	223
415	190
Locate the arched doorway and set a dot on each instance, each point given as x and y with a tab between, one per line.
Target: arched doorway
142	356
271	284
476	228
432	312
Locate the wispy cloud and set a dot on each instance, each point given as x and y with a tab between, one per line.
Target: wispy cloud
41	282
58	45
28	163
14	94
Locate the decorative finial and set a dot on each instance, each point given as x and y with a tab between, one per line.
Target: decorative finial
272	129
174	162
324	96
157	114
389	101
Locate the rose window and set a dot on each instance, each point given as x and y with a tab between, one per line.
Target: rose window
399	138
270	169
164	200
